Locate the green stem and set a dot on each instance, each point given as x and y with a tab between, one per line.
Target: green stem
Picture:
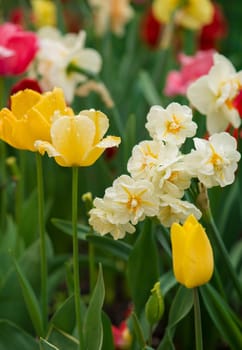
215	235
197	319
77	292
43	259
3	183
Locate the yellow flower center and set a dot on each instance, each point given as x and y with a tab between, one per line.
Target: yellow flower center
173	126
216	159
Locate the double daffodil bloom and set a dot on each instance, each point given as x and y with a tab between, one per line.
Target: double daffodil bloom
78	140
192	14
30	117
192	253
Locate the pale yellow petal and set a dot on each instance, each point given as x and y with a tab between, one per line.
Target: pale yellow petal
101	123
44	146
73	138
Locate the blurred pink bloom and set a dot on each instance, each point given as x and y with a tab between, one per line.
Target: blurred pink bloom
17	49
192	67
237	103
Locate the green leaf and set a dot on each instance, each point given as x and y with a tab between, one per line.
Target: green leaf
93	329
223	317
30	300
117	248
138	330
180	306
45	345
167	281
143	267
64	318
14	338
149	90
66	227
107	333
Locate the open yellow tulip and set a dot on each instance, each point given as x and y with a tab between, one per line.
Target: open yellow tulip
30	117
192	253
78	140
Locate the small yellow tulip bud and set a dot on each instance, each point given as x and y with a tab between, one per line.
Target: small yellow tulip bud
154	307
192	253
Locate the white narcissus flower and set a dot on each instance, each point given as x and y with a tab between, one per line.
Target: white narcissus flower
132	200
56	53
215	160
213	94
176	210
101	219
173	124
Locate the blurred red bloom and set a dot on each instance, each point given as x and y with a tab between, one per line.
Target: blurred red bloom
192	67
214	31
150	29
237	103
17	49
121	336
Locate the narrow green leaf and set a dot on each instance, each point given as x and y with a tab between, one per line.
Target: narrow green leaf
138	330
45	345
93	329
31	301
180	306
66	227
14	338
107	333
117	248
64	317
222	316
143	267
167	281
150	93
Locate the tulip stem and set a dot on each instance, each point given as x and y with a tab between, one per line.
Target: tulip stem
76	255
197	319
43	258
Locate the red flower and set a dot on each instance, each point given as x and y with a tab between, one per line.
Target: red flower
214	31
150	29
122	336
17	49
237	103
192	67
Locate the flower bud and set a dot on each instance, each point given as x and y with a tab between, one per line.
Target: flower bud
192	253
154	307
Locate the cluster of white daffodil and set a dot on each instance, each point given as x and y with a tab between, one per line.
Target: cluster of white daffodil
60	57
160	173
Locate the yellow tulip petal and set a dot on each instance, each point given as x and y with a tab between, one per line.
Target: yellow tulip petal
101	123
73	138
22	101
14	131
51	102
163	9
178	241
198	261
44	146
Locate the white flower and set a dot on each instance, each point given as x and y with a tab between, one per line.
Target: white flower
56	53
146	156
215	160
132	200
213	95
173	124
101	220
176	210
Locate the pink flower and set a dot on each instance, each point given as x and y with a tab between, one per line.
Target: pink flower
17	49
192	67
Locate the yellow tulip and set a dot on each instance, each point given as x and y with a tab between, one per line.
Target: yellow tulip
192	253
30	117
78	140
193	14
44	12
